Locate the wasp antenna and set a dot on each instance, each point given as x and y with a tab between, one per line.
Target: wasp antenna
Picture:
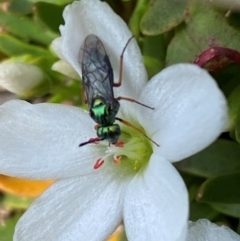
137	129
91	140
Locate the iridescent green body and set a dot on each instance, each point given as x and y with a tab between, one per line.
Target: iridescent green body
97	77
105	115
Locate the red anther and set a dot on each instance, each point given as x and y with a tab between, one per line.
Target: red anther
98	163
120	144
117	159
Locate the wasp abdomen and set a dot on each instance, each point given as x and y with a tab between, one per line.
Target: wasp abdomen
110	133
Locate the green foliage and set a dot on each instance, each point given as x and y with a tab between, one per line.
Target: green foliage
201	210
223	189
20	7
134	23
232	210
7	230
13	207
220	158
50	15
198	34
25	28
57	2
15	202
154	53
12	46
163	16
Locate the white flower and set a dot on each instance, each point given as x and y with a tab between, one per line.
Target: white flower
204	230
145	191
20	78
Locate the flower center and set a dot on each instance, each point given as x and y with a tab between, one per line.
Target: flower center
132	151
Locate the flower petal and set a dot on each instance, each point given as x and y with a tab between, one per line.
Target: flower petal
64	68
156	204
95	17
82	208
56	46
41	141
204	230
190	112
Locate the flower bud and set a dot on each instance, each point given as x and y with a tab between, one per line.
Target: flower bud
20	78
65	69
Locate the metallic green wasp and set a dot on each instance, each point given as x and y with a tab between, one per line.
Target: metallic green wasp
98	83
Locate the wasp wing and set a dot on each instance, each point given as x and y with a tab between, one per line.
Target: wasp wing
97	73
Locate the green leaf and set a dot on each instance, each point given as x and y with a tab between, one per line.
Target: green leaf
228	209
14	47
134	23
57	2
154	60
181	48
24	28
201	210
163	16
228	78
50	15
234	19
220	158
15	202
7	230
233	102
224	189
198	34
20	7
234	112
236	129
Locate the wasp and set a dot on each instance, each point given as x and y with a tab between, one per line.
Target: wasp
98	83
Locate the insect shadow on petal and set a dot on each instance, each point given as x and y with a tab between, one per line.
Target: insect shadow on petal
98	83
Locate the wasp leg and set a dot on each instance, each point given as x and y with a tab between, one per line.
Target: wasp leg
84	98
135	128
117	84
96	126
132	100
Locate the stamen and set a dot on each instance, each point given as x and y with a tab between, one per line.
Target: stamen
131	153
98	163
120	144
117	159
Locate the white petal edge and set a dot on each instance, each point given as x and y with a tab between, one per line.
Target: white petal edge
204	230
64	68
56	46
82	208
156	204
190	111
41	141
95	17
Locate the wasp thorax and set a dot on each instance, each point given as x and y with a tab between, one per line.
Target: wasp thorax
102	112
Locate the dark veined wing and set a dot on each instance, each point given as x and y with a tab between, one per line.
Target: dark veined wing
97	73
